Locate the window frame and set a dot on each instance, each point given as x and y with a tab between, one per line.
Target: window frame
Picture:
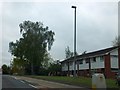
101	58
94	59
87	60
81	61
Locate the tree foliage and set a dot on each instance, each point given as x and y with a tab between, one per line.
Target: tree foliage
116	41
5	69
55	68
18	66
32	47
47	60
68	53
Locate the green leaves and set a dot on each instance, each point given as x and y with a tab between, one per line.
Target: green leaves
68	53
36	38
5	69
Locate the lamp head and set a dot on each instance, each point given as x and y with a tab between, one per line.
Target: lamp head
73	6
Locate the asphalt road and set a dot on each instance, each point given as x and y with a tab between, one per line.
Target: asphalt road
44	84
11	83
26	83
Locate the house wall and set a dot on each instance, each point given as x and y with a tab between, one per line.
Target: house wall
108	71
107	65
109	62
71	66
114	52
84	65
98	64
94	65
114	61
64	67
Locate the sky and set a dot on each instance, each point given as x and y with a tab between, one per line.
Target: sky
97	24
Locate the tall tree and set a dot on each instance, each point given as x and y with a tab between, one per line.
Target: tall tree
36	40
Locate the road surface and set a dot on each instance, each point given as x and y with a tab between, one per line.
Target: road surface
26	83
10	82
39	83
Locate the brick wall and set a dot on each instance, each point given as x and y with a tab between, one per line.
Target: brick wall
107	65
108	72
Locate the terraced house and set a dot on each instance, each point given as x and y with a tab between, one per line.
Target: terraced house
106	61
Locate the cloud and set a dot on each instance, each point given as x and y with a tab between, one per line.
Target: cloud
96	24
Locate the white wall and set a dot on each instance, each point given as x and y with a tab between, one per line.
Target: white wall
98	64
94	65
84	65
114	52
64	67
114	58
71	66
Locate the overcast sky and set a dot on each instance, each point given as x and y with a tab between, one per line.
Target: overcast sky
97	24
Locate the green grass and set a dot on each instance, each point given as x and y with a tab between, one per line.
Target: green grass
79	81
111	83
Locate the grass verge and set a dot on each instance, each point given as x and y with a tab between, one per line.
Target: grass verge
78	81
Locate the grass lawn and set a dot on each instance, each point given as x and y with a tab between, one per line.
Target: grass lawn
79	81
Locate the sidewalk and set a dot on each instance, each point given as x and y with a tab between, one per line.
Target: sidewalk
45	84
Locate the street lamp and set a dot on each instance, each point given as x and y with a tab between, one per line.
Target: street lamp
74	41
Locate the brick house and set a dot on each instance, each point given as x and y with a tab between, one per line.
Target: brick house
106	61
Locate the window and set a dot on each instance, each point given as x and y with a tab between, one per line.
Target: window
87	60
70	63
81	61
64	64
94	59
114	56
101	58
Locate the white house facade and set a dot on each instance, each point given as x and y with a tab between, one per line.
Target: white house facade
105	61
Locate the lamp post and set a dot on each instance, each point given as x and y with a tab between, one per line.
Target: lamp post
74	42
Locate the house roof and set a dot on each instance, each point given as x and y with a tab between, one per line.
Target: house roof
92	54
